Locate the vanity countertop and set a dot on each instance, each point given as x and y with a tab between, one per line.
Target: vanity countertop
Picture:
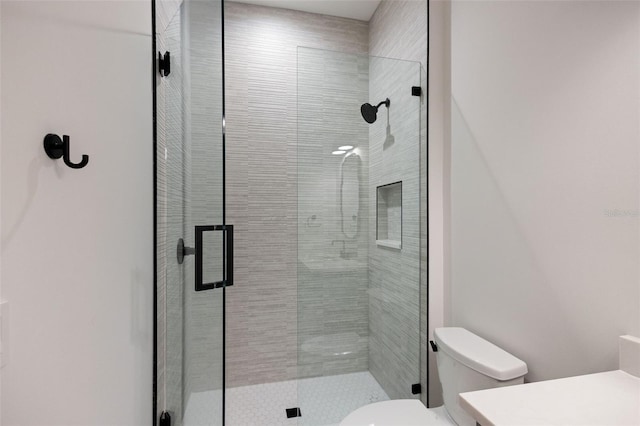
610	398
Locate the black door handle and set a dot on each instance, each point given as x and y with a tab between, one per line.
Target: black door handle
227	253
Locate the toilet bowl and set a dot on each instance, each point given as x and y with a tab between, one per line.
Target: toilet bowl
466	362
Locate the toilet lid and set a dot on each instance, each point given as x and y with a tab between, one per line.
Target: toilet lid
400	412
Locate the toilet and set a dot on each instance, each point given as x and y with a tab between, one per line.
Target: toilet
466	362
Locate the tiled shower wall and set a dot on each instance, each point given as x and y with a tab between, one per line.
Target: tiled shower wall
261	113
399	29
394	274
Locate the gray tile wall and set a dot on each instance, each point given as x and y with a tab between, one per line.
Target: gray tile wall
261	112
394	274
399	29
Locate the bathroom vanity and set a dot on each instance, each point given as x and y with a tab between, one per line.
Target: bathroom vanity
609	398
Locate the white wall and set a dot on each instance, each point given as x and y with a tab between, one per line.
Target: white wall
545	135
77	254
438	180
0	198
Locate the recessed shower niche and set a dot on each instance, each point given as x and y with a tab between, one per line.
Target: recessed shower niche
389	215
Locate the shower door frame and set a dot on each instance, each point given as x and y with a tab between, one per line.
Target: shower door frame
228	273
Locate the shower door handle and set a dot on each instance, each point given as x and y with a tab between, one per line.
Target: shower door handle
227	279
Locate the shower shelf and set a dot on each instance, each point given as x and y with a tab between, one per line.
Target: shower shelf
389	216
389	243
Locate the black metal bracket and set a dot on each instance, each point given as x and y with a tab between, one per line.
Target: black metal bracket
165	419
56	148
182	251
164	63
433	346
293	412
416	388
416	91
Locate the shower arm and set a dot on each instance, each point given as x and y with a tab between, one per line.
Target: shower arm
386	103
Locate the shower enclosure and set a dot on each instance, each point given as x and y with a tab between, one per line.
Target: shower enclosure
337	276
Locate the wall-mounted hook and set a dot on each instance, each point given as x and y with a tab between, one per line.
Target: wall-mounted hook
56	148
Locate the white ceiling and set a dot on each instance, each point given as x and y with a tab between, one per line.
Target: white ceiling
354	9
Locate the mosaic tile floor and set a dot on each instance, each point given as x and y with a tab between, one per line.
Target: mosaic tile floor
323	401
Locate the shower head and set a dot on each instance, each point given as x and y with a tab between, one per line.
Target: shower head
370	112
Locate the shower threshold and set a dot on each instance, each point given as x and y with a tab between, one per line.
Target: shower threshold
323	401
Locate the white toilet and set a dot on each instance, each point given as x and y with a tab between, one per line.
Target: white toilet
466	363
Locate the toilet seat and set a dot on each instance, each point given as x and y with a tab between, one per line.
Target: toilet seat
399	412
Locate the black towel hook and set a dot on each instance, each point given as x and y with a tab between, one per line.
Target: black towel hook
56	148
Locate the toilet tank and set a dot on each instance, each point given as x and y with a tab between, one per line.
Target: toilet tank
467	362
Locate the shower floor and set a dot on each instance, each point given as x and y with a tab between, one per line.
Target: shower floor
323	401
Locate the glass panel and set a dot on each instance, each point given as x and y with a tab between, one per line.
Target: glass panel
350	186
212	269
170	219
190	194
358	302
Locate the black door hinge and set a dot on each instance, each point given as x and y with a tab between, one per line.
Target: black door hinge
165	419
293	412
164	64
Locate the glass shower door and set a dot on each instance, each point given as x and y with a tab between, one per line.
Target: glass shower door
195	245
358	233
